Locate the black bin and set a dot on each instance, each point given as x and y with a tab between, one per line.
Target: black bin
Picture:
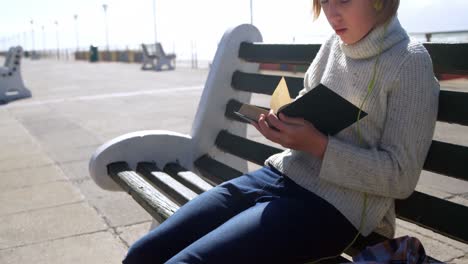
93	54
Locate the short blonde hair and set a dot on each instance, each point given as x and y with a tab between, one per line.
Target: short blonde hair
389	9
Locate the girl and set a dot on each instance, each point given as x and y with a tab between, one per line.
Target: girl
312	200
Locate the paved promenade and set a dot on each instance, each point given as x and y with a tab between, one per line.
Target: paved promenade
52	212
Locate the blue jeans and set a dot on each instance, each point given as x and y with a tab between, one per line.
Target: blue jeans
260	217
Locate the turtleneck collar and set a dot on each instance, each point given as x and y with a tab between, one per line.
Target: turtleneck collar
370	45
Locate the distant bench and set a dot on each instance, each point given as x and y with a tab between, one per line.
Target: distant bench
154	55
11	83
162	170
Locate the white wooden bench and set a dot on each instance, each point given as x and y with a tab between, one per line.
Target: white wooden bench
162	170
154	55
11	82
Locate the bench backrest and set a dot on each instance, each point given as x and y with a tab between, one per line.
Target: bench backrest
144	49
223	148
153	50
13	60
159	51
9	58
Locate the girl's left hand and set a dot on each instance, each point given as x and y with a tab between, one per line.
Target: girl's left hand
292	133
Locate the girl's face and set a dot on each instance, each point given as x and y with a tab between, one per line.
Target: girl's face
351	19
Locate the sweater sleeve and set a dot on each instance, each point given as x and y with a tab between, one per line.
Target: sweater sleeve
392	167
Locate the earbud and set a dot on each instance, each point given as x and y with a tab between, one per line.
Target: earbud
378	5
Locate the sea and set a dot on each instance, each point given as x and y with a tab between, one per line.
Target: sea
449	37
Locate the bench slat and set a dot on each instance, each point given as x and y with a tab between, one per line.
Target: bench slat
439	215
231	107
234	105
187	178
165	183
264	84
453	107
215	171
278	53
454	165
448	159
244	148
446	58
154	202
449	57
438	209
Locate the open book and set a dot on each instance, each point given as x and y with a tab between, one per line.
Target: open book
326	110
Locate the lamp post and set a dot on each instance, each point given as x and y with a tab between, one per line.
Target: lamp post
25	40
57	36
154	21
104	6
32	36
251	12
76	31
43	40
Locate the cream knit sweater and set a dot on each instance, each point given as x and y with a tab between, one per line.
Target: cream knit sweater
396	134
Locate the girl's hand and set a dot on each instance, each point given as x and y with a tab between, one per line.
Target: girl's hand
292	133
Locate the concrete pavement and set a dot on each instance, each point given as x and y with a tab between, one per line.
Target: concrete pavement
52	212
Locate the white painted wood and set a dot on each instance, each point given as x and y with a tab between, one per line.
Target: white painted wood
166	146
150	145
210	119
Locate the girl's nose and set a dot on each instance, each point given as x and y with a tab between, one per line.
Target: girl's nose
333	11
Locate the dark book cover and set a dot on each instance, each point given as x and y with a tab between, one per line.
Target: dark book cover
326	110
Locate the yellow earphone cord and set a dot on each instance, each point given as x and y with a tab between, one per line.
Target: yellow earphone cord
370	88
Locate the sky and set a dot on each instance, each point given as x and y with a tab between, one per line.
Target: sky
188	26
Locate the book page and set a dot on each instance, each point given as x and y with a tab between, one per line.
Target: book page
252	112
280	96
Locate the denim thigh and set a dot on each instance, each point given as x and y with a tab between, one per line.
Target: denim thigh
202	215
260	217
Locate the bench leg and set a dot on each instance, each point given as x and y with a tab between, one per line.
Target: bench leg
164	61
148	61
12	88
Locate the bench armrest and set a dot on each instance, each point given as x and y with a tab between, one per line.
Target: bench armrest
159	146
3	69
